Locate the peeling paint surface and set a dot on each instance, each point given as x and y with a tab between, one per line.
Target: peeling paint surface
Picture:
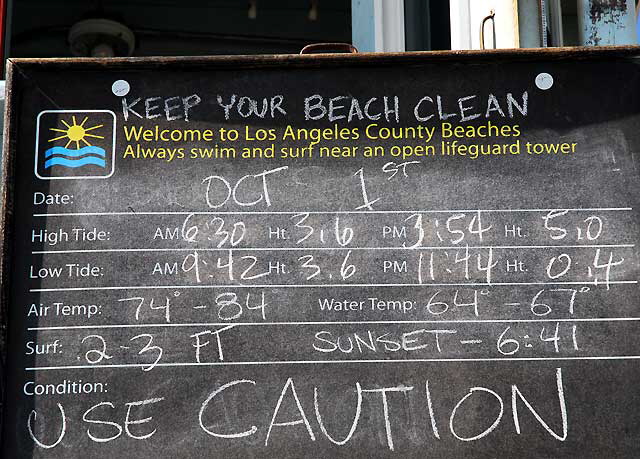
607	22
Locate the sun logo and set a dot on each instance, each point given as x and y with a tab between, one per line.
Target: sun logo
75	144
76	132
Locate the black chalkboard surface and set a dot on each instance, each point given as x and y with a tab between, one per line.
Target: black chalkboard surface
416	255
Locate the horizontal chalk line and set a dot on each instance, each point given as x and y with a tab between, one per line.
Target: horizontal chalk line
284	249
355	322
330	212
324	362
461	284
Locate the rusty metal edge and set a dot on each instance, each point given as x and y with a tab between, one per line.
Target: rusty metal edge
330	59
6	218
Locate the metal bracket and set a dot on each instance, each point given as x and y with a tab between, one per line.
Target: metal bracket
318	48
492	17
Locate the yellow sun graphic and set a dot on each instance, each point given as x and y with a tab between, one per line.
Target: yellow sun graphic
76	132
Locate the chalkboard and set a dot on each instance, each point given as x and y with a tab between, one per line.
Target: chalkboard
413	255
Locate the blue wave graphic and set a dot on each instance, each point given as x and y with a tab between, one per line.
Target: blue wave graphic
91	149
66	162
